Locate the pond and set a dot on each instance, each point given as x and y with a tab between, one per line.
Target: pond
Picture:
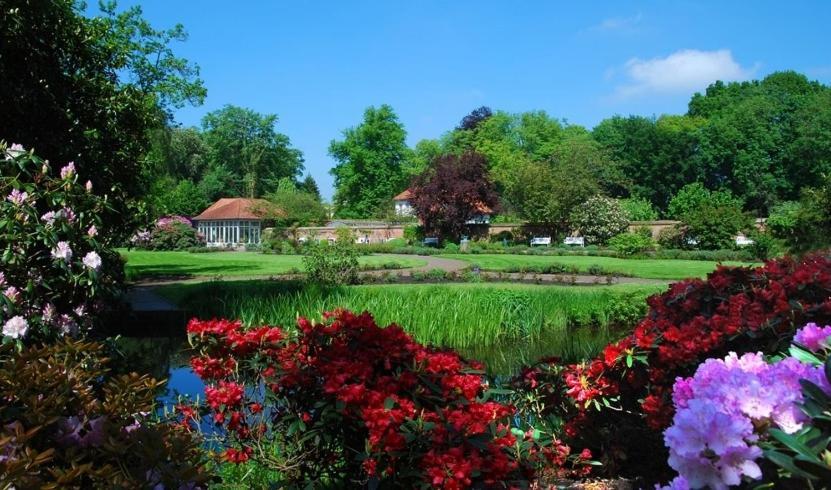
169	357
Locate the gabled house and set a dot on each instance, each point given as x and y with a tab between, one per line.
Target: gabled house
234	222
404	207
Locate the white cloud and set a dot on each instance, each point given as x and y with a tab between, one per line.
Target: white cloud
618	23
684	71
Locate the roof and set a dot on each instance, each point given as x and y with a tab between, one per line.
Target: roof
238	208
407	194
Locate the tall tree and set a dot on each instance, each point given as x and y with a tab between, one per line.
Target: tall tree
247	145
451	192
371	161
90	89
309	186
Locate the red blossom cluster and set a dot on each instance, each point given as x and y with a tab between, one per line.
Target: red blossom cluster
413	415
734	309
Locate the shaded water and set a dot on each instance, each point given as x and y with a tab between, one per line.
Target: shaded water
169	357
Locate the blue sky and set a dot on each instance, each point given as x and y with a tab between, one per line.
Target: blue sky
318	65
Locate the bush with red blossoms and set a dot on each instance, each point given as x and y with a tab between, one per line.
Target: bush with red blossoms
351	403
622	400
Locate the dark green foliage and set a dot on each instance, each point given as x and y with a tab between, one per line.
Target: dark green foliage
68	422
175	236
714	226
89	90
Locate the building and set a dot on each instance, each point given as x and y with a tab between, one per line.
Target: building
234	222
403	204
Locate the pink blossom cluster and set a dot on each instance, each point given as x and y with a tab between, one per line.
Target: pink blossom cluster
720	410
813	337
169	220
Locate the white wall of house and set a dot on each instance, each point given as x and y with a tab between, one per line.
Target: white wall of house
404	208
229	232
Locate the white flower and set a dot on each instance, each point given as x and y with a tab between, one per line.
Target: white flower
88	186
92	231
68	170
92	260
49	218
62	252
49	313
16	327
16	197
15	150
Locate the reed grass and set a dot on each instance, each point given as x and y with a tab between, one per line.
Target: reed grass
498	323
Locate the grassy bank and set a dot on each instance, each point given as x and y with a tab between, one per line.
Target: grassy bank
646	268
505	325
144	264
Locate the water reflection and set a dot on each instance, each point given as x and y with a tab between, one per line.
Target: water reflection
169	357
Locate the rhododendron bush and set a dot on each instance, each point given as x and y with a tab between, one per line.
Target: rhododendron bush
621	401
58	270
727	412
348	402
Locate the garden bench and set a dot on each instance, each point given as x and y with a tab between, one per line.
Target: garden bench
541	240
575	240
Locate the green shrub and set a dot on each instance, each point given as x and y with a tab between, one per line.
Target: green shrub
715	226
413	234
637	209
397	242
764	246
783	218
332	265
599	219
67	422
629	244
450	247
59	271
693	196
674	237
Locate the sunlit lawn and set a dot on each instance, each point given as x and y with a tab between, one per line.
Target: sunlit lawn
143	264
646	268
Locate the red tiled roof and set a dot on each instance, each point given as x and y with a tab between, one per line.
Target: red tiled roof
407	194
238	208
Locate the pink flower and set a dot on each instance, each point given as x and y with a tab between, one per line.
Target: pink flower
16	327
813	337
17	197
68	171
11	293
62	252
2	279
88	186
49	218
92	231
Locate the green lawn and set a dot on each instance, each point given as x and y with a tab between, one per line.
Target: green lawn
143	264
646	268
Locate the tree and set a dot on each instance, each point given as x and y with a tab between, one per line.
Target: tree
806	226
474	119
454	190
599	219
184	198
714	225
296	206
90	90
371	161
637	209
309	186
248	146
693	196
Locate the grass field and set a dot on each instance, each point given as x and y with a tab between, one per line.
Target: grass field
504	325
143	264
645	268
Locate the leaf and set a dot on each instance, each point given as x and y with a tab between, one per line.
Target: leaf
804	356
792	442
786	462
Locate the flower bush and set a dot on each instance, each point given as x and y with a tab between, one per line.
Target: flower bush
729	409
66	422
332	265
59	269
599	219
623	398
349	402
169	233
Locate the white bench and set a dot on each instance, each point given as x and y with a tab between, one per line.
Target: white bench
541	240
743	241
575	240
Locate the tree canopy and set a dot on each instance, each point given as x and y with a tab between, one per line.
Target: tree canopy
91	90
372	158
